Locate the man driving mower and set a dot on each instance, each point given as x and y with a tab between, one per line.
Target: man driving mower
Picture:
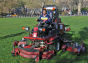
44	17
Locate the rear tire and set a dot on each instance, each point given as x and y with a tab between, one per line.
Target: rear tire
63	50
78	54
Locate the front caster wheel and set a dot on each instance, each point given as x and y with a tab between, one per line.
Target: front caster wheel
13	54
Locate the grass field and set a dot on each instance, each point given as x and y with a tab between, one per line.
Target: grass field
10	30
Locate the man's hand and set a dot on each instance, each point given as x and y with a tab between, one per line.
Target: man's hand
44	21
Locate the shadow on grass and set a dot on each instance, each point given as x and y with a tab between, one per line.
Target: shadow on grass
12	35
68	35
66	25
84	33
76	59
83	36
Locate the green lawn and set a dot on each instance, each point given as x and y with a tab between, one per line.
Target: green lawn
10	30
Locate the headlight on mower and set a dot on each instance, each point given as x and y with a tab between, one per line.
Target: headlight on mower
23	39
26	28
42	29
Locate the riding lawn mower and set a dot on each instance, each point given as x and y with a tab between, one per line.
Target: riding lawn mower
44	40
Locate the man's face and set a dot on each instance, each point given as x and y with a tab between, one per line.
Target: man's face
44	12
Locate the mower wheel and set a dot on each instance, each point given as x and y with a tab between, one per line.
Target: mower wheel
40	55
58	46
83	51
13	54
78	54
63	50
54	53
37	59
